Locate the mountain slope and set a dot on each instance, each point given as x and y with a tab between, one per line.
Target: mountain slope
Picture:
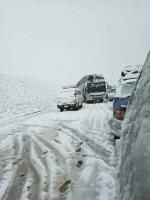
20	95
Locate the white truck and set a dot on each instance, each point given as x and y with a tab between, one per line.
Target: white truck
69	99
93	88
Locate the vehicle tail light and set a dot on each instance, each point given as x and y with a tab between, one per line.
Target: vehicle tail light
120	113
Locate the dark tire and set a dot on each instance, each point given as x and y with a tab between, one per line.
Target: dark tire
81	105
116	137
76	107
61	109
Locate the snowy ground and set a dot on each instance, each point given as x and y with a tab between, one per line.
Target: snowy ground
53	155
48	155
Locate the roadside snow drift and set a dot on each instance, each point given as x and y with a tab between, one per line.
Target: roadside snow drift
135	163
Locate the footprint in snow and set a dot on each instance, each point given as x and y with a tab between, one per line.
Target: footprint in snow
78	149
65	186
21	175
79	163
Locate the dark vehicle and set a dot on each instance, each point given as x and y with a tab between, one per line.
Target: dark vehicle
123	94
93	88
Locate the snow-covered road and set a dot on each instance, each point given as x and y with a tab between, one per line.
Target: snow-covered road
59	156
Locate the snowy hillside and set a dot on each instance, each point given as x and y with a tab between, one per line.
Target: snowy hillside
21	95
135	163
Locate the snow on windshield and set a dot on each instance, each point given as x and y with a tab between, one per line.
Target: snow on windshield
125	89
67	93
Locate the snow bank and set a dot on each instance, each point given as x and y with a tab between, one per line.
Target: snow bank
135	161
20	95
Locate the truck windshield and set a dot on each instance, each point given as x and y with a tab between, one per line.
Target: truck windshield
96	87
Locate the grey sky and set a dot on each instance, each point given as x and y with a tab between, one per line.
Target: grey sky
62	40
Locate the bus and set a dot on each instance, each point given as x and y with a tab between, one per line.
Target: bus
93	88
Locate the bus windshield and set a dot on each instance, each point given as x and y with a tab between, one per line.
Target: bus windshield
96	87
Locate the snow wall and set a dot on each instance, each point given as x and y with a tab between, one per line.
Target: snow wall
135	140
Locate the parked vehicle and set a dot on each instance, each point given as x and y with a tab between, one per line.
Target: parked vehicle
93	88
131	72
123	94
69	98
111	93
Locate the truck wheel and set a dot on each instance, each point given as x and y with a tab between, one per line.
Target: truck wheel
61	109
76	107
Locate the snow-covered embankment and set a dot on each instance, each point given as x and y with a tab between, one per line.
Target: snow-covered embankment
135	162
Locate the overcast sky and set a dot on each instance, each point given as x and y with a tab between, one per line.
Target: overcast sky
63	40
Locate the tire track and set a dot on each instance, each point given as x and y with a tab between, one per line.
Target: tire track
98	149
21	164
47	153
90	119
65	176
41	188
61	175
45	167
59	156
11	165
25	116
21	168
